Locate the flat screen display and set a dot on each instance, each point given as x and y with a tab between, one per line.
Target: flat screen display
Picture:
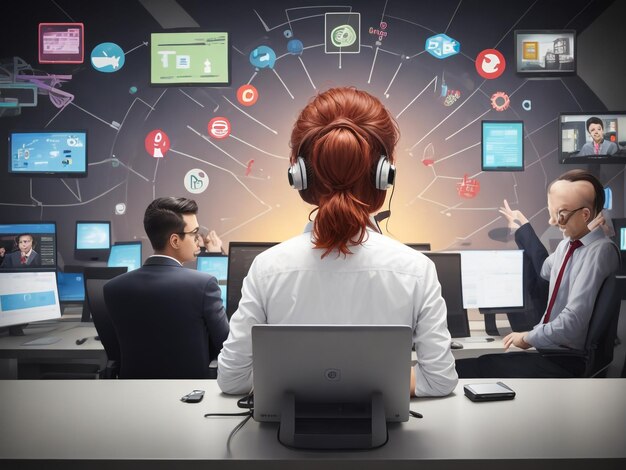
217	266
61	43
125	254
492	278
93	240
502	146
71	287
545	53
622	238
592	137
48	153
190	58
28	296
28	245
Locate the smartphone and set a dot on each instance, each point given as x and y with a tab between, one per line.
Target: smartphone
488	392
193	397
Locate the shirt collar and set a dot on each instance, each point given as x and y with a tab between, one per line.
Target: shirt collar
596	234
165	256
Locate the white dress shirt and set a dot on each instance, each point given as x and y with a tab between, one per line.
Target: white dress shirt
585	272
383	282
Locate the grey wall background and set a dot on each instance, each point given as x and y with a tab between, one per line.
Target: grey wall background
260	206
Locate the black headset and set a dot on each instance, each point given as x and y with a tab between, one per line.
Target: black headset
384	177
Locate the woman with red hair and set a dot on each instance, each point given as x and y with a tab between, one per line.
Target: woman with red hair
342	270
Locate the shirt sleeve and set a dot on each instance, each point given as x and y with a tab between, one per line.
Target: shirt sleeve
435	373
234	364
215	317
526	239
575	317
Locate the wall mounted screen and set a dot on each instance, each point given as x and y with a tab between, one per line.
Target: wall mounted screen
545	53
125	254
93	240
36	240
492	278
216	265
28	296
592	137
48	153
502	146
190	58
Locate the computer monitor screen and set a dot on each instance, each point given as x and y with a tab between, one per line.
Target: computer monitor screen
125	254
419	246
93	240
545	53
28	296
71	287
48	153
592	137
502	146
30	245
190	58
493	278
61	43
240	257
448	267
216	265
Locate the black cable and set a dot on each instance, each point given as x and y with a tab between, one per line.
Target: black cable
415	414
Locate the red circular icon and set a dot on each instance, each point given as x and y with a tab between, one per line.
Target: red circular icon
247	95
490	64
157	143
219	127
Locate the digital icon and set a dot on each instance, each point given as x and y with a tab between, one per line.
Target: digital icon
247	95
263	57
295	47
157	143
196	181
342	33
428	156
500	101
219	127
288	33
442	46
120	208
107	57
527	105
490	64
468	188
379	33
249	167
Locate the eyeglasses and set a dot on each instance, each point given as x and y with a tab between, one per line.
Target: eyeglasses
563	216
195	232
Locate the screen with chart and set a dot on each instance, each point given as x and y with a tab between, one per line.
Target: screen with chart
502	146
48	153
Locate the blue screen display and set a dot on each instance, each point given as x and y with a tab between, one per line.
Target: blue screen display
502	145
127	254
71	287
622	239
92	236
216	266
48	152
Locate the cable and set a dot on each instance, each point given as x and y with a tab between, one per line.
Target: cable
415	414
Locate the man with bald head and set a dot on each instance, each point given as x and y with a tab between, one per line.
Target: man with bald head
576	271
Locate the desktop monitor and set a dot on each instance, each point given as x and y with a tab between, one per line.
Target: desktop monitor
27	296
240	257
576	145
71	283
48	153
493	279
216	264
328	386
448	267
125	254
502	145
545	53
61	43
95	279
93	240
419	246
41	236
619	225
199	58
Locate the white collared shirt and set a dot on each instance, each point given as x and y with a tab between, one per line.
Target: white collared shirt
165	256
382	282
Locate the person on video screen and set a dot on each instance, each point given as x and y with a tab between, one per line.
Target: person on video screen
599	145
25	255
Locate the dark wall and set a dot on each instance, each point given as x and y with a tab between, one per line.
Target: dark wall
252	201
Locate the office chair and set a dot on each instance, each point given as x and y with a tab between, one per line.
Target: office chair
600	342
95	279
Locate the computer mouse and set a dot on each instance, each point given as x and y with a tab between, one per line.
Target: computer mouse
455	345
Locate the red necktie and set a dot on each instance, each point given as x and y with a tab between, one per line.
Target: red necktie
596	148
23	259
572	246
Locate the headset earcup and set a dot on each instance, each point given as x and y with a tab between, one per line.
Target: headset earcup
297	175
385	173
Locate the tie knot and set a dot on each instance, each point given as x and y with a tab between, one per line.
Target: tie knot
575	244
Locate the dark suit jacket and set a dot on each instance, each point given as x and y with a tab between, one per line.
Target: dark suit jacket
170	320
12	260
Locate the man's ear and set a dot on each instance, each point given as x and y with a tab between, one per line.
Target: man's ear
174	241
587	214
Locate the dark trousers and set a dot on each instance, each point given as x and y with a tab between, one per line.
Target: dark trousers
519	365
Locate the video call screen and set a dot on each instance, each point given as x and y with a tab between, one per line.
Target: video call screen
576	144
48	153
38	238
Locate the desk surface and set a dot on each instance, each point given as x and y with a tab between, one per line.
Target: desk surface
145	422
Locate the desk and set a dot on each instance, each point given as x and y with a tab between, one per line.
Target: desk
552	423
12	348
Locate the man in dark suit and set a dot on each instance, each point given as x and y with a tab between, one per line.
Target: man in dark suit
170	320
25	256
